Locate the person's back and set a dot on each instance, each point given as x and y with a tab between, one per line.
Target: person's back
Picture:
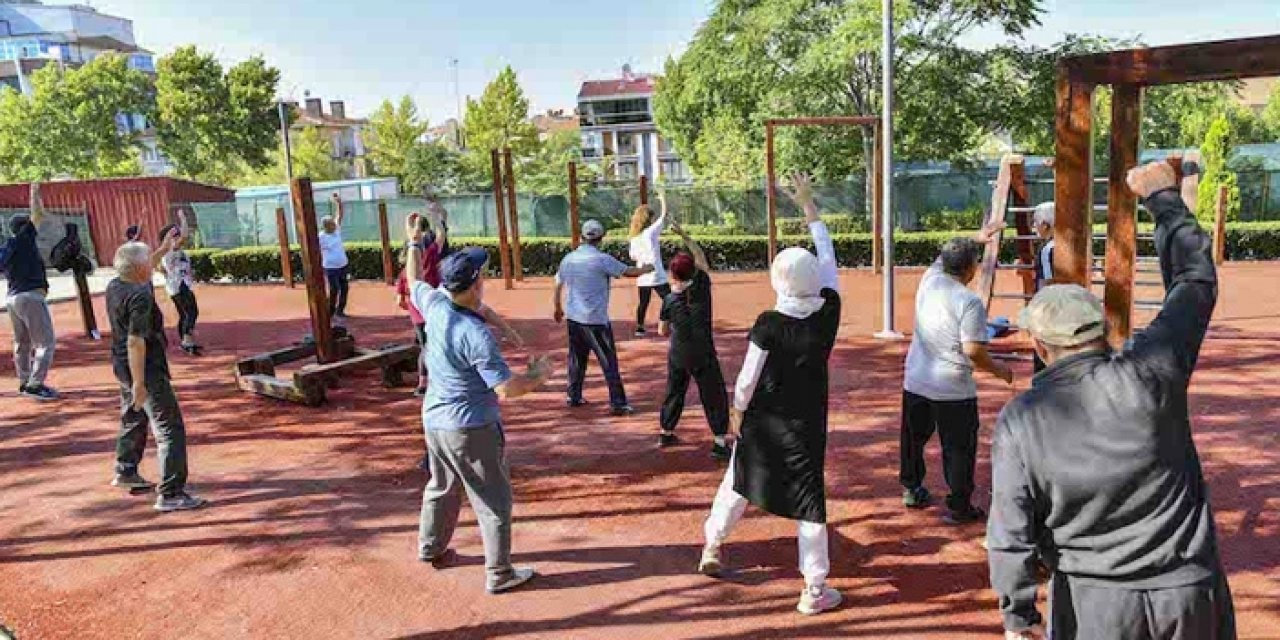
23	266
948	314
689	315
586	274
458	349
127	302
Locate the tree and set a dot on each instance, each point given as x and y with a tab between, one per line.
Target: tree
547	172
432	164
727	155
70	125
1215	154
1271	113
211	123
500	119
312	157
395	136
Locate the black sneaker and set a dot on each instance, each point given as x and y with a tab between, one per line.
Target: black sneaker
720	452
641	333
131	481
446	559
968	515
178	502
22	389
917	498
574	404
668	440
622	411
39	392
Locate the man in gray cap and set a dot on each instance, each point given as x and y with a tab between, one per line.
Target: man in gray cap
1094	471
586	273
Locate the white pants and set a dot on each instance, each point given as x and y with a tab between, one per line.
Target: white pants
727	510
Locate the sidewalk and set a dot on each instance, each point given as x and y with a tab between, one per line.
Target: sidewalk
62	287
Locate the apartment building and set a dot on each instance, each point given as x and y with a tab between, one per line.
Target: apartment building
345	135
615	117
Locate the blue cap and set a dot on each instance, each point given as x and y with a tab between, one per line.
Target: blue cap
460	269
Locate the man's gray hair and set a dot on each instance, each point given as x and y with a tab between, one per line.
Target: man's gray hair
1044	214
959	255
131	256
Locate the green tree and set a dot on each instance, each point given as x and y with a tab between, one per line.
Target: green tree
69	125
432	164
727	155
547	171
210	123
312	157
1271	113
1215	153
394	137
500	118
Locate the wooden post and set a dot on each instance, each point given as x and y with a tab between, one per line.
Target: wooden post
388	263
575	231
1073	183
644	190
85	298
771	203
1220	226
1020	197
514	212
304	211
1122	213
877	204
504	258
286	262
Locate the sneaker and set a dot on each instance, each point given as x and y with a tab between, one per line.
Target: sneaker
419	392
641	333
442	561
622	411
131	481
917	498
710	565
816	599
668	440
39	392
968	515
178	502
574	404
22	389
720	452
518	577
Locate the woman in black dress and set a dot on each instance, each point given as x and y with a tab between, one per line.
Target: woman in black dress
780	410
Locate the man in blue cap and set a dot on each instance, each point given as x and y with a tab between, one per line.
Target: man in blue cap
460	414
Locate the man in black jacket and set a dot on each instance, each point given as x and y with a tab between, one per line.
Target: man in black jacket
1095	473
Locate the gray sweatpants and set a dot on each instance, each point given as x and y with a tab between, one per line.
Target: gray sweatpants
33	338
1201	611
470	460
161	412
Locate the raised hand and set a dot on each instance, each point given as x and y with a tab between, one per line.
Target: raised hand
1150	178
801	189
411	230
991	230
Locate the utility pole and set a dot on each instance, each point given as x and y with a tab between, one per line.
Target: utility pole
887	331
457	96
284	134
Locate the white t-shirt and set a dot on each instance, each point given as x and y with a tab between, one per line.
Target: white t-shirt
177	271
948	314
332	254
646	249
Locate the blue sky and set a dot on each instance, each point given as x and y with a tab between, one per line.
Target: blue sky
362	51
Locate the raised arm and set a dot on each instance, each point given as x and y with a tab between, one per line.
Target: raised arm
438	225
182	224
413	261
1012	553
37	206
801	192
338	209
695	250
166	245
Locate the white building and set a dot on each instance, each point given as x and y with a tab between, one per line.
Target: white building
616	121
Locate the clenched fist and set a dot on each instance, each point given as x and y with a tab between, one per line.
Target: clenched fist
1150	178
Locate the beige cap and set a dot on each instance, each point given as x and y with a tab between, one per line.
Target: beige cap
1064	315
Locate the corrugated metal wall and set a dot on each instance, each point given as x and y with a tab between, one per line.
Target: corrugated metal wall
112	205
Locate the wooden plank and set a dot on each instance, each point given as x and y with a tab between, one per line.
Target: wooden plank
85	299
644	190
279	389
1200	62
1220	226
1122	213
770	191
829	120
504	256
393	362
1073	183
1026	237
877	204
304	208
575	225
513	212
286	262
388	263
998	211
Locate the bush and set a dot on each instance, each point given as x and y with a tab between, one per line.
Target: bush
837	223
949	220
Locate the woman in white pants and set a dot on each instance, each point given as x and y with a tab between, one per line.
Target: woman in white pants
780	411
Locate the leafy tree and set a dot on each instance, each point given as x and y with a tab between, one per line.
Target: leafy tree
500	118
394	137
434	164
727	155
210	122
1271	113
312	157
69	125
1215	153
547	172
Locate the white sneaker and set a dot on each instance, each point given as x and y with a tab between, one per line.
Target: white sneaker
815	600
710	563
518	577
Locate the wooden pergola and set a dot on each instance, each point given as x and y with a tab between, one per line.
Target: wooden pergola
1128	72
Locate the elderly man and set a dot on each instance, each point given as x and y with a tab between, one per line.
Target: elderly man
138	359
1095	473
460	415
939	392
333	257
586	273
33	337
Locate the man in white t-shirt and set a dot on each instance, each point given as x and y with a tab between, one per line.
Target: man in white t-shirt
333	257
939	392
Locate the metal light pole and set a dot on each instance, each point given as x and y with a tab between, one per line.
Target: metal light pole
284	133
886	190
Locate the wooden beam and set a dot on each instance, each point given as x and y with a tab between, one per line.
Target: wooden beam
384	233
1073	181
1220	226
1200	62
770	195
85	298
1122	213
877	202
504	256
644	190
998	211
513	212
575	230
820	121
1020	197
273	387
286	260
304	209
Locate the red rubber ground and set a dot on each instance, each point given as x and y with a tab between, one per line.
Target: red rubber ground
312	527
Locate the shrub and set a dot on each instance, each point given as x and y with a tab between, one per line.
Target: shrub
949	220
837	223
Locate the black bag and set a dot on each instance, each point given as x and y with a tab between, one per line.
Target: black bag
68	254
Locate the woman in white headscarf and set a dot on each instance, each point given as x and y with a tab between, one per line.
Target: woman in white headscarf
780	410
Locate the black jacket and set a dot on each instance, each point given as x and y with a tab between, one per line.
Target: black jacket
1094	469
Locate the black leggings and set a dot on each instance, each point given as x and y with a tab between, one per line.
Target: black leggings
338	287
188	311
645	294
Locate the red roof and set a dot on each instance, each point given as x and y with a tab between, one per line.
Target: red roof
637	85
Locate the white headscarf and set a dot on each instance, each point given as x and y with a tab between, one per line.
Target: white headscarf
796	280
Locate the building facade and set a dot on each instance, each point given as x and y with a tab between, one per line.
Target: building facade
615	118
345	135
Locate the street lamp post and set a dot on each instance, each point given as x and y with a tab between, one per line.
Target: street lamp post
886	190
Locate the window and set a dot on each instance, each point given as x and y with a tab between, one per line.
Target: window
627	144
606	112
664	146
142	62
628	170
674	171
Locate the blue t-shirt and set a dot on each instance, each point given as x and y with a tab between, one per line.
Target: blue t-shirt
464	364
585	274
23	265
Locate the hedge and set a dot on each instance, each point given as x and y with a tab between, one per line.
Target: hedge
1245	241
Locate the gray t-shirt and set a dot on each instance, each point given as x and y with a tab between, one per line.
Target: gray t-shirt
948	314
585	274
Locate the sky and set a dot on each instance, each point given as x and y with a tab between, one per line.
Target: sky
365	51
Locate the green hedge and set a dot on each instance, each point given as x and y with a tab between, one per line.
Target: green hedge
1245	241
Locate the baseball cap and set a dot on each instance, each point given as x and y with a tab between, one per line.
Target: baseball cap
460	269
1064	315
592	230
